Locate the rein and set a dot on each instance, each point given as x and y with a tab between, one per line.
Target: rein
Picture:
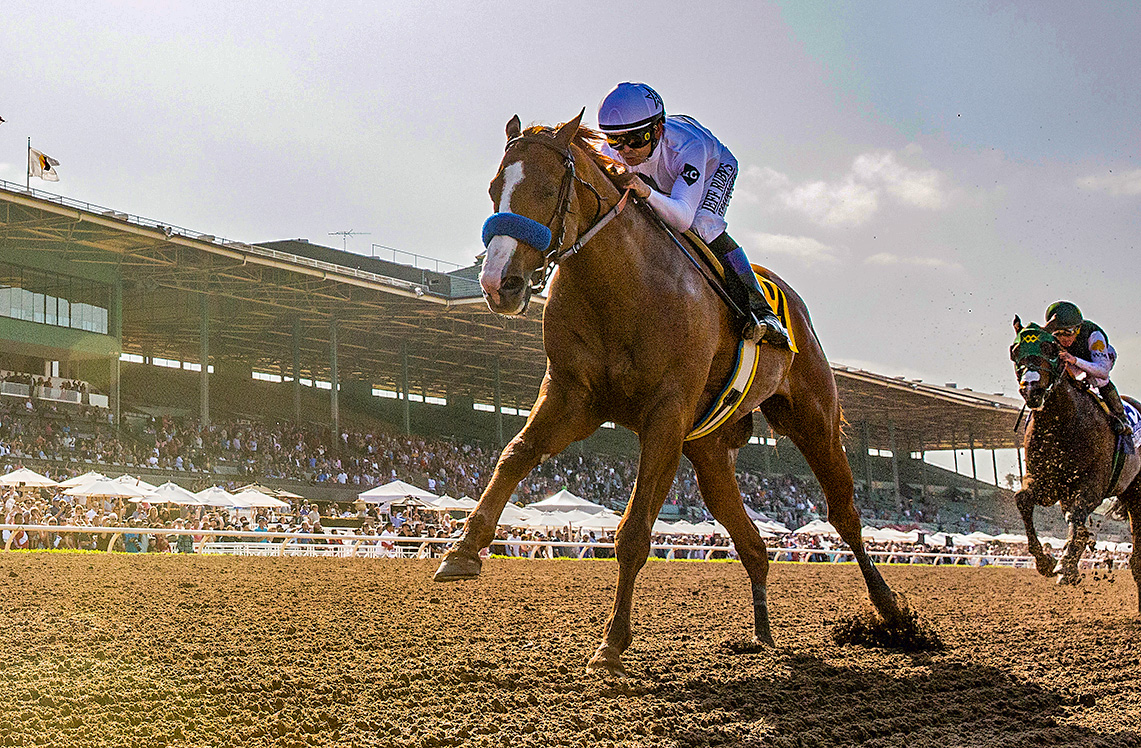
530	231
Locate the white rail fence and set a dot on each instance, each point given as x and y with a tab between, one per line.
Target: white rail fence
248	543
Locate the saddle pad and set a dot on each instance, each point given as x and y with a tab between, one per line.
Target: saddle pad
773	292
1134	417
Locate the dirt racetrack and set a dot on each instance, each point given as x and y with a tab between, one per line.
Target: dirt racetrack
119	650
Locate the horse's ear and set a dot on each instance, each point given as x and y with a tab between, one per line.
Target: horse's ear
514	127
1017	323
566	133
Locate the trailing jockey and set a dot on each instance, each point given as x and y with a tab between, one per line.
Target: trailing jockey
686	175
1086	348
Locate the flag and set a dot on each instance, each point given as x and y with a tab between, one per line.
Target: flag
42	166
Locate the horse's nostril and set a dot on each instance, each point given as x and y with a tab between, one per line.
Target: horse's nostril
512	285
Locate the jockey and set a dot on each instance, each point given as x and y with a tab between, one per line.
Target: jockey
686	175
1086	348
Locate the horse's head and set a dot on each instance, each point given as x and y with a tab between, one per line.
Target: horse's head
531	194
1035	356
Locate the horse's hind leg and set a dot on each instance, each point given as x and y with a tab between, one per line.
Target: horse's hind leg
1026	502
714	458
559	417
814	427
1078	538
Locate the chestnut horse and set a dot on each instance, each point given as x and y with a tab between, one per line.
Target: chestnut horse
634	334
1070	448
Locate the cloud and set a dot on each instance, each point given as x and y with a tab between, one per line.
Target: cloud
1122	183
887	258
853	198
803	248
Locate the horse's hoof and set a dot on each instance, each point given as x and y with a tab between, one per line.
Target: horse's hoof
457	567
1046	568
1071	579
606	659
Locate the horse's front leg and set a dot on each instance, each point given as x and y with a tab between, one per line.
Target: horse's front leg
1026	502
660	452
1078	538
561	415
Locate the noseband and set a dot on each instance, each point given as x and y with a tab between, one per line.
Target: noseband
540	236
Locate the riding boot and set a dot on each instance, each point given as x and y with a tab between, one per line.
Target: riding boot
1118	420
763	323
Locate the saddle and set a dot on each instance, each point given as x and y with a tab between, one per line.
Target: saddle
715	274
1126	445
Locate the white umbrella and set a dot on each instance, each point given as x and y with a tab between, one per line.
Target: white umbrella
684	528
1007	537
565	501
513	516
27	478
131	480
817	527
772	526
448	504
172	493
391	492
80	480
109	489
661	527
215	496
605	522
254	498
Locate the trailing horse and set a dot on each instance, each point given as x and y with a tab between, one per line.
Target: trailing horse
1071	455
634	334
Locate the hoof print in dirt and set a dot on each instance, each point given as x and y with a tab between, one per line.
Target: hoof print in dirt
869	630
743	646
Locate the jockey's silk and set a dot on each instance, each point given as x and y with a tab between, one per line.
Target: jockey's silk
1094	353
695	170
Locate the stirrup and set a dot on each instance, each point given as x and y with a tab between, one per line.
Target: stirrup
767	329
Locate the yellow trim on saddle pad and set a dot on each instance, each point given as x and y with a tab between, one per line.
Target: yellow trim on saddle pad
731	397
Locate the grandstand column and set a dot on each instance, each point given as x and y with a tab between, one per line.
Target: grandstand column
866	447
297	369
498	406
405	392
334	379
894	460
1018	451
994	464
204	358
974	470
923	466
116	330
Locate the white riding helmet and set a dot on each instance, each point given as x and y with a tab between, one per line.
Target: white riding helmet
629	106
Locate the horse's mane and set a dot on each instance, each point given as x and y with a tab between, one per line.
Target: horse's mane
590	141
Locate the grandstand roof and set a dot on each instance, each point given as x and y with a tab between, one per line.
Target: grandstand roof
255	292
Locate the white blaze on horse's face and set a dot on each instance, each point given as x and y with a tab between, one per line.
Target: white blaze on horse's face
501	248
1030	376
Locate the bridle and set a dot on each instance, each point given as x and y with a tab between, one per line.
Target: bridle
527	230
1032	337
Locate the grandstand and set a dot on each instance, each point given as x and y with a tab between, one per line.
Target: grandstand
162	320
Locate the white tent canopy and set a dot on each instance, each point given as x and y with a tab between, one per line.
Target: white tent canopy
215	496
81	480
565	501
254	498
448	504
108	488
391	493
512	516
27	478
172	493
817	527
139	483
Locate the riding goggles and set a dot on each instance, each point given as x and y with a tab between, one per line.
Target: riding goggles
1067	331
633	139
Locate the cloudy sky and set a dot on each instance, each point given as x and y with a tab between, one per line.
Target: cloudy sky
919	171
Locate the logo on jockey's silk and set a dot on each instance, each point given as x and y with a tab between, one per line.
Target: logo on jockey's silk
1097	345
690	174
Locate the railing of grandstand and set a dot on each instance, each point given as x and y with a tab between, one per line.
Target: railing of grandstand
55	394
413	259
253	543
170	230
